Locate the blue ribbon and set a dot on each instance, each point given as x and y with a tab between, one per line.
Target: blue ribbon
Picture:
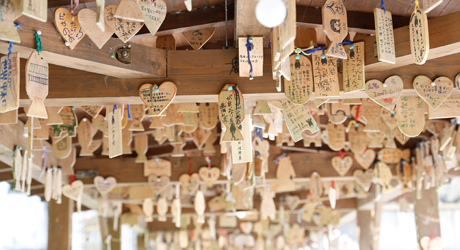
347	42
249	47
311	51
129	113
259	133
383	7
114	107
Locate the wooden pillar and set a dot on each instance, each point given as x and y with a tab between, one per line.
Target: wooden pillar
59	224
369	225
116	235
426	213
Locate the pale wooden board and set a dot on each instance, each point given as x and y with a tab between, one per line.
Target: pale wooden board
129	10
316	186
357	139
166	42
384	176
365	159
157	102
450	108
242	150
208	115
336	136
127	138
9	82
115	131
299	89
92	110
37	76
69	123
36	9
276	51
85	136
137	115
410	113
200	136
297	118
342	165
325	75
285	171
288	29
68	27
371	110
188	108
198	38
335	26
429	5
87	18
157	166
9	11
154	12
384	36
256	56
10	117
173	117
53	116
141	146
209	145
125	30
43	132
100	15
63	148
433	95
419	36
388	96
9	32
389	118
353	68
231	112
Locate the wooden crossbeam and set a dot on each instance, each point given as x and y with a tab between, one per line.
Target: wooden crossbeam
444	34
146	62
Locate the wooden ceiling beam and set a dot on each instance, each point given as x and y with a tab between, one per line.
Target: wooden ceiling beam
150	63
444	34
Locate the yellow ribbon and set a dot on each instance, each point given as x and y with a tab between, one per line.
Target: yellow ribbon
351	123
417	6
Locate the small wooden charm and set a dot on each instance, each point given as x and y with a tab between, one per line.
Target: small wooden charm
100	122
336	136
36	9
69	27
357	138
209	175
127	138
335	26
386	94
404	173
86	19
162	208
231	111
157	166
140	145
17	168
325	75
431	242
9	82
200	206
255	54
124	29
389	118
166	42
267	206
402	138
200	136
410	114
154	13
209	145
239	171
147	208
364	178
383	174
365	159
262	108
104	186
419	36
209	113
115	131
157	98
85	132
10	117
371	110
197	38
242	150
129	10
158	184
342	165
93	110
434	93
37	76
137	115
316	187
74	192
353	68
190	182
299	89
384	36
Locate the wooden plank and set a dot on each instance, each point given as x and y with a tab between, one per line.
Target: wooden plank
426	213
86	56
444	34
60	224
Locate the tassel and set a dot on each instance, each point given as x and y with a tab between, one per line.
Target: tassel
48	184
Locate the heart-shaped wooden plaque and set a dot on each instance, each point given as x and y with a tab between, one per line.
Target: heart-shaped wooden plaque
342	165
190	182
124	29
104	186
365	159
154	12
364	179
158	184
87	20
434	93
69	29
74	192
209	175
157	98
386	94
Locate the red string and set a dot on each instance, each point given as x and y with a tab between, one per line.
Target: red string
429	242
341	154
190	166
332	184
357	112
208	161
72	7
365	150
72	179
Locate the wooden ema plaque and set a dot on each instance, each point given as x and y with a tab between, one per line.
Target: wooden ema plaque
37	75
299	89
115	130
242	150
297	118
166	43
137	115
256	56
371	111
316	187
208	115
434	93
419	36
157	100
9	83
384	176
140	145
357	139
353	68
154	13
335	26
450	108
69	123
93	111
325	75
86	18
198	38
129	10
9	11
85	132
157	166
365	159
124	29
386	94
389	118
36	9
231	112
68	27
287	29
364	178
384	36
342	165
336	136
411	115
10	117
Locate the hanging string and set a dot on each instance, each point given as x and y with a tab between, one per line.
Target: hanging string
417	6
351	123
383	7
237	95
259	133
114	108
357	112
208	160
249	46
72	8
10	49
38	41
341	154
129	113
347	42
311	51
277	159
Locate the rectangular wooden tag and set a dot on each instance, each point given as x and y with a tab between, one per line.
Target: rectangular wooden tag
36	9
288	27
158	167
353	68
9	83
242	150
256	56
384	36
325	75
115	130
448	109
10	117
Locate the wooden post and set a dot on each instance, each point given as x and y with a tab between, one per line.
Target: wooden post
116	235
369	225
59	224
426	213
